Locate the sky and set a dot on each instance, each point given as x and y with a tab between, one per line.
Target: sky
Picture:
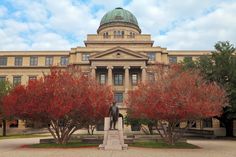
63	24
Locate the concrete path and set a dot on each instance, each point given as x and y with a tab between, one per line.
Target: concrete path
210	148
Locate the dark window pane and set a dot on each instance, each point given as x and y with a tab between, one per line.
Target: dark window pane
207	123
173	59
33	61
49	61
18	61
32	78
118	79
102	78
151	56
3	61
2	78
134	79
64	60
85	56
16	80
119	97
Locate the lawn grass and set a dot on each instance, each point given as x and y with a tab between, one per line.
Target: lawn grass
68	145
23	136
160	144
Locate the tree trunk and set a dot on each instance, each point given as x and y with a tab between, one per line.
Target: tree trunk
150	129
4	127
229	128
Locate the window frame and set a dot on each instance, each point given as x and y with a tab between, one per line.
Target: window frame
48	60
85	56
207	123
15	81
33	60
64	61
32	77
3	78
3	59
171	59
137	79
119	93
120	82
100	78
151	58
18	61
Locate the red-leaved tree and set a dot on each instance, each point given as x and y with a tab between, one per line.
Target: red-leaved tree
175	96
65	100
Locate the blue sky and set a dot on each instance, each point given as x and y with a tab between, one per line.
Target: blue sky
63	24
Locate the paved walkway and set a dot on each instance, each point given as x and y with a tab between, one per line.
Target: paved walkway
210	148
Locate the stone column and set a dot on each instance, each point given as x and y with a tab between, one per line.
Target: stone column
93	72
144	74
109	79
126	83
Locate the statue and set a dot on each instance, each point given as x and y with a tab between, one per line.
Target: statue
114	115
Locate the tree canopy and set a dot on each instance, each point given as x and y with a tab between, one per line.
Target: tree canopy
176	96
66	100
220	67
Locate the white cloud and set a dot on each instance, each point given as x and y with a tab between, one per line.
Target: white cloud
3	11
46	24
50	41
202	32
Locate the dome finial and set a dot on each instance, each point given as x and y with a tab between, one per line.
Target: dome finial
119	8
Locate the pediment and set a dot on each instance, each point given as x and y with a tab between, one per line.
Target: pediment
118	53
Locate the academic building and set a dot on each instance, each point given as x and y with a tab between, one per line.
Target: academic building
118	55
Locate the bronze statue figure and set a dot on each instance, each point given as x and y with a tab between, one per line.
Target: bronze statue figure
114	115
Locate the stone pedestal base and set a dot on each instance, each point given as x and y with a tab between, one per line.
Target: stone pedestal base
113	139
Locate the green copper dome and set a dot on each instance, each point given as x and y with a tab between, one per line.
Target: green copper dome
119	15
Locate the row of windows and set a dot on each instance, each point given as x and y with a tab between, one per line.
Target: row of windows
34	61
17	79
118	34
119	79
173	59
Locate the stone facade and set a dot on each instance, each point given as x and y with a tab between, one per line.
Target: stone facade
118	55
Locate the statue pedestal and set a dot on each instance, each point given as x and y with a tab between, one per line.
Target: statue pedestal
113	139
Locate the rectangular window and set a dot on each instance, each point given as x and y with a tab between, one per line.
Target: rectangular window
16	80
18	61
188	58
119	97
33	61
32	78
172	59
151	56
64	60
2	78
49	61
3	61
207	123
85	56
134	79
102	79
118	79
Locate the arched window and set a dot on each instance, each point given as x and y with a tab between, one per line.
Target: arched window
105	35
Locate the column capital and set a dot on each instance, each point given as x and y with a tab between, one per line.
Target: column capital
109	67
93	67
126	67
143	67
